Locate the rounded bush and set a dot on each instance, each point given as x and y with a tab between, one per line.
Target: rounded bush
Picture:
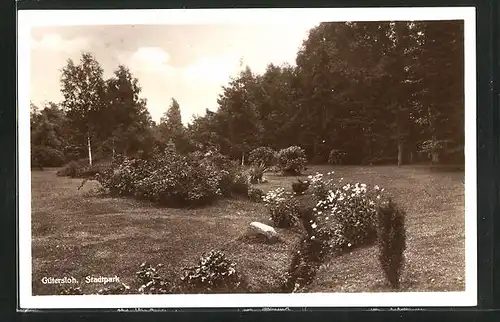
264	156
213	272
44	156
255	194
283	208
292	160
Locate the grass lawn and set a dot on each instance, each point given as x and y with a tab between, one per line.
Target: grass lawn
74	234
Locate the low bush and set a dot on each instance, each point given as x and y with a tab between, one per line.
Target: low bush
90	171
150	280
391	240
70	170
262	156
300	187
255	194
172	179
292	160
283	208
122	179
178	180
213	273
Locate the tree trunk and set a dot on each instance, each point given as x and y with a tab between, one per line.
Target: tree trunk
114	152
242	158
400	152
90	149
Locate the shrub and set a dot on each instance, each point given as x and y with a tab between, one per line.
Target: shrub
213	272
321	184
300	187
283	208
256	173
69	170
255	194
150	280
122	179
292	160
336	157
44	156
233	181
178	180
391	240
347	216
90	171
264	156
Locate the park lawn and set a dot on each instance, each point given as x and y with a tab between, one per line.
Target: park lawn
76	234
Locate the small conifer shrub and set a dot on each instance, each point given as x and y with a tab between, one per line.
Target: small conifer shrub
391	241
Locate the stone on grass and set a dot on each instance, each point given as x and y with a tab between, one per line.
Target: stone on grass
264	229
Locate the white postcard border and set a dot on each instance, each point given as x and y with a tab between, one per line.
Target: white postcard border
28	19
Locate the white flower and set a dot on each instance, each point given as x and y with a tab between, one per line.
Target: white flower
313	237
313	226
310	177
349	245
378	197
377	187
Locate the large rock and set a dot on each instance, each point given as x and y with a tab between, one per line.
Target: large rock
264	229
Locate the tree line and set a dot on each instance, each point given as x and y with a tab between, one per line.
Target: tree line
379	92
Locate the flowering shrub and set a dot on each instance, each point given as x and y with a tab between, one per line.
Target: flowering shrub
255	194
336	157
214	272
122	179
321	184
391	240
150	280
283	208
291	160
347	216
264	156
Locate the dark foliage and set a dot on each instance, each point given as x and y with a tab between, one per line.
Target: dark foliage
213	273
300	187
391	241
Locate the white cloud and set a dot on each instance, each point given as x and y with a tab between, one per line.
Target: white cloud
55	43
214	69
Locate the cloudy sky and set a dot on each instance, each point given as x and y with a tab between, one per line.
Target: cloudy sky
187	62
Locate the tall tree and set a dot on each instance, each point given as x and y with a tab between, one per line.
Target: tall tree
172	129
83	90
238	114
127	120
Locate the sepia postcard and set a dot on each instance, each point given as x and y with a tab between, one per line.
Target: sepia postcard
247	158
